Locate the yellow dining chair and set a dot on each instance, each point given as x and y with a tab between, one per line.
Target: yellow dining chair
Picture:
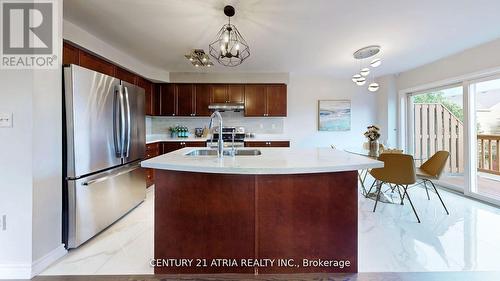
432	170
398	170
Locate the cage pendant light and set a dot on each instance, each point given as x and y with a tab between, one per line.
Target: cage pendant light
230	48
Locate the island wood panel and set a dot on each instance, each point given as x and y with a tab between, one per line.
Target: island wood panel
203	216
308	216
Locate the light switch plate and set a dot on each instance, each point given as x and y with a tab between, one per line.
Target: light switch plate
5	120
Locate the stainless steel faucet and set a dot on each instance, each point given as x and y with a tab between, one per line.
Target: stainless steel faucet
220	142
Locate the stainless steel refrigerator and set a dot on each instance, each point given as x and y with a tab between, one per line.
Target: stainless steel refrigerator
104	125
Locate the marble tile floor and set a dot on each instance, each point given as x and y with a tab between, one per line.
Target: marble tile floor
124	248
390	240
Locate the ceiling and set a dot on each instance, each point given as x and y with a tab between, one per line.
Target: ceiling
313	36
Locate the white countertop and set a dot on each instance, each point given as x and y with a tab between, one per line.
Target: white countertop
271	161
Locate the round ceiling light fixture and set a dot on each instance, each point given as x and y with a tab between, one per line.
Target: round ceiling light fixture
362	78
365	71
361	81
356	77
376	63
230	48
373	87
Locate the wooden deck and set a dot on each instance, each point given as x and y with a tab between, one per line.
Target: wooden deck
488	184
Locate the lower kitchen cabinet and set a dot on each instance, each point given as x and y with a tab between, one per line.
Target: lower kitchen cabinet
152	150
175	145
267	144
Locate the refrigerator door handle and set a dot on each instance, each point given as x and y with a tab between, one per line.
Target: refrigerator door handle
108	177
117	122
126	149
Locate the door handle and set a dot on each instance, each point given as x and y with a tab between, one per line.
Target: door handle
126	150
118	120
108	177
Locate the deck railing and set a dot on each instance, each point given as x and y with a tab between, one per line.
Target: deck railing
488	151
436	128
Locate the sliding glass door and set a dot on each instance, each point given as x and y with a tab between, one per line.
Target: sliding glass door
485	115
436	123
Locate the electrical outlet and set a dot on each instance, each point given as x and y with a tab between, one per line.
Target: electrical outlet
5	120
3	223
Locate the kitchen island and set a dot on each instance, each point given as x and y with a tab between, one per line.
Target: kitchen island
266	210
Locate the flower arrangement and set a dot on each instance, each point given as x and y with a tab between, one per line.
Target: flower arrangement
373	133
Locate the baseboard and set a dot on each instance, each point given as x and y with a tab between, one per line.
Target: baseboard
28	271
42	263
15	271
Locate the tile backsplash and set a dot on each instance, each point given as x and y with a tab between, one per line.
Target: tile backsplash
258	125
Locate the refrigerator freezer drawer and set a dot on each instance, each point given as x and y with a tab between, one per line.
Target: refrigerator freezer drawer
95	202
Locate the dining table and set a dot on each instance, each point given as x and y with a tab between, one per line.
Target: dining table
386	196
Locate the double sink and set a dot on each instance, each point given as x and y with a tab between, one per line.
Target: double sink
213	152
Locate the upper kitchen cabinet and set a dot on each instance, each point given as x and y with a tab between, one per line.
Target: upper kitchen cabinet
276	100
70	54
95	63
168	100
219	93
265	100
185	99
228	93
236	93
125	75
151	97
202	98
255	100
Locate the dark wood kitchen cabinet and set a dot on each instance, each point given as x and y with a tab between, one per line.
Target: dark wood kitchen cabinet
276	100
255	100
152	150
175	145
125	75
202	98
70	54
265	100
267	144
90	61
152	102
185	99
168	100
228	93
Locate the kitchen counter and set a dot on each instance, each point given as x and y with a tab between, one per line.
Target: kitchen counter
271	161
294	204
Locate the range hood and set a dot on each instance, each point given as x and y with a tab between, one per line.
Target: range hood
227	106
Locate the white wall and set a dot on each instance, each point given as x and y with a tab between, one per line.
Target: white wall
30	169
99	46
15	172
387	98
304	91
474	60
